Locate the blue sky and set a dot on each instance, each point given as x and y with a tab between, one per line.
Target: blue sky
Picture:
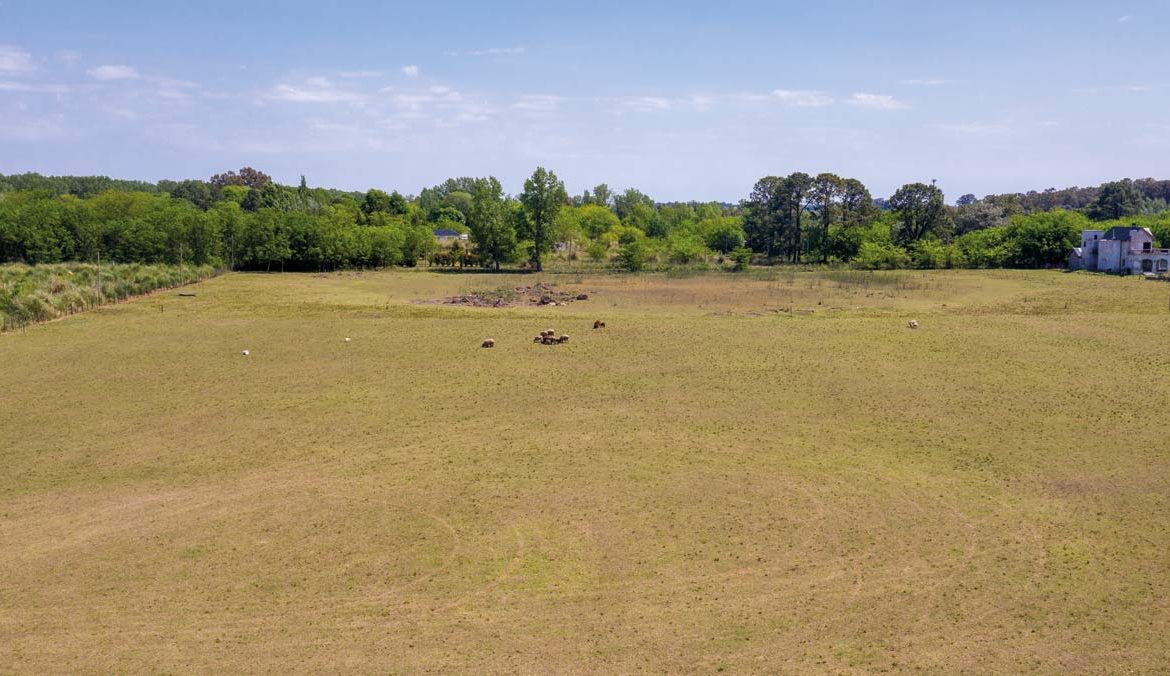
684	100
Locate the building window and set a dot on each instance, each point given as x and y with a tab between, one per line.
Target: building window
1146	246
1163	265
1147	265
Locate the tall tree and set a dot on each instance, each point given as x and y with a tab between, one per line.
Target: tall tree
491	229
544	195
247	176
857	205
1119	199
623	204
761	221
823	195
602	195
377	201
920	210
791	204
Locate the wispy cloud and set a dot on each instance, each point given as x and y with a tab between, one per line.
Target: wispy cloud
1124	19
645	104
34	88
876	101
974	128
113	72
15	60
411	71
34	130
925	83
313	90
1113	90
359	74
494	51
701	103
538	104
802	97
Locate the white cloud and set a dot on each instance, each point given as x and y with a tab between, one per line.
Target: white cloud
445	93
876	101
315	90
411	71
701	103
926	83
31	88
68	56
1093	91
494	51
1124	19
15	60
114	72
646	104
804	98
974	128
34	130
538	104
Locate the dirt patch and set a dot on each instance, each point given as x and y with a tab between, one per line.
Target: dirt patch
504	296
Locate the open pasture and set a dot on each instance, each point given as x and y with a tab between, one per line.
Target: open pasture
754	473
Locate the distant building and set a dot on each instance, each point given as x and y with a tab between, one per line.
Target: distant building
1120	250
447	236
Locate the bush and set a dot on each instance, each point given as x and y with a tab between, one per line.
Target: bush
598	250
742	258
879	256
632	255
684	248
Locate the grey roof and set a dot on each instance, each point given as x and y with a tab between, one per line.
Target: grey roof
1121	234
446	232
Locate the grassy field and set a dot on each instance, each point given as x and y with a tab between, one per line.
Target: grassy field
755	474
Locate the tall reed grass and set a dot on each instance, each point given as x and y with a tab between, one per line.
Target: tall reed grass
38	293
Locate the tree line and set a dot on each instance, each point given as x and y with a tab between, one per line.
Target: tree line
244	220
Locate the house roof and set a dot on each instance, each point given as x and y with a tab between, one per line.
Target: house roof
1124	234
446	232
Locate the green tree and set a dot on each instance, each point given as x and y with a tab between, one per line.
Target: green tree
491	229
632	254
595	220
377	201
1119	199
544	195
602	195
624	203
920	210
1044	238
824	193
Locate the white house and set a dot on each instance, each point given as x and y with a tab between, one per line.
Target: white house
447	236
1120	250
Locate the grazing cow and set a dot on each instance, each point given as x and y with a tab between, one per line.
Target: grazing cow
538	339
913	323
563	339
489	343
599	324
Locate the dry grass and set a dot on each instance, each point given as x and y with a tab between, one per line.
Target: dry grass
706	484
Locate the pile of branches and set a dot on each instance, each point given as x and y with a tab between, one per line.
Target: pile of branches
540	293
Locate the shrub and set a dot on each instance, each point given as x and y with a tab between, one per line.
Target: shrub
632	255
881	256
743	259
